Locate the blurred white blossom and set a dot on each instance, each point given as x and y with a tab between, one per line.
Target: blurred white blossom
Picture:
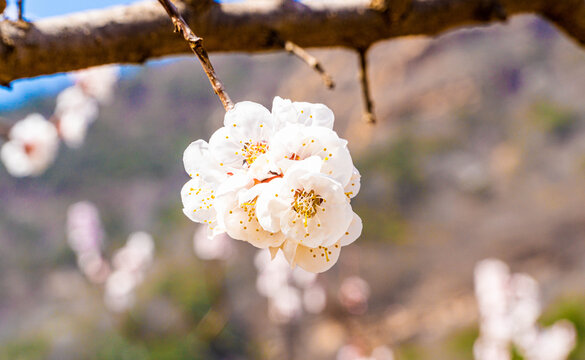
75	111
84	228
31	147
288	290
98	82
32	143
218	247
354	293
509	308
78	106
130	264
85	236
353	352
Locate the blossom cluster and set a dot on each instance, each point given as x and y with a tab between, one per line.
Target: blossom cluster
280	179
33	142
509	308
128	266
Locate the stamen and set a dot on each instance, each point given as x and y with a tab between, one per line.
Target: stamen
306	204
252	151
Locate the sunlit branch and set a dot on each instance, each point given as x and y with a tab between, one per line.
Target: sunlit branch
310	60
196	45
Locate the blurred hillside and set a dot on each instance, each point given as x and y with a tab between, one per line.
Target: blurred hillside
479	152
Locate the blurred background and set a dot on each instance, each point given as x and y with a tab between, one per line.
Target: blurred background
479	152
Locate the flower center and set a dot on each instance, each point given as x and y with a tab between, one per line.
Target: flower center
305	204
29	148
251	151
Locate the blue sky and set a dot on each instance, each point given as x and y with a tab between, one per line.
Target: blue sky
24	90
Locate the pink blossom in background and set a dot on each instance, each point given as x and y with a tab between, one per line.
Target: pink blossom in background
353	294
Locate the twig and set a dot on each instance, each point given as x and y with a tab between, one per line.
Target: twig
368	116
196	45
20	4
310	60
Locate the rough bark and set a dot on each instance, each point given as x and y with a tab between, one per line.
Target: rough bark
142	31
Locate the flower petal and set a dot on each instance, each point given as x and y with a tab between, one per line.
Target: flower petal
271	204
318	259
198	199
353	231
198	161
314	114
353	185
253	121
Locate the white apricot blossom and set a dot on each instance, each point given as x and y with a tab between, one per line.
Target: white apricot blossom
309	207
32	146
312	212
245	136
280	179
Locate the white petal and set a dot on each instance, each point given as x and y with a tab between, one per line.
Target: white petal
198	199
226	146
314	114
286	112
353	232
198	161
289	250
353	186
253	121
236	213
318	259
283	112
300	142
271	205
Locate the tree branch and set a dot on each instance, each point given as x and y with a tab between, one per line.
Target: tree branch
368	116
138	32
196	45
310	60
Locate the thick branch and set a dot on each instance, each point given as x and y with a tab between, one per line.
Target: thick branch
138	32
196	45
